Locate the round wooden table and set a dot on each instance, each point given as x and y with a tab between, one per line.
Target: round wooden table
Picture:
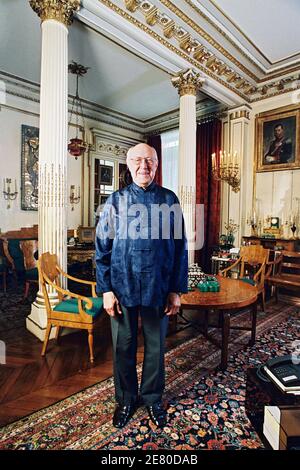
234	295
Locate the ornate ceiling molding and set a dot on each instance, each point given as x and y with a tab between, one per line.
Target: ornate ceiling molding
60	10
250	89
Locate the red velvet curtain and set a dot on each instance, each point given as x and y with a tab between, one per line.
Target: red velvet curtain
155	141
207	189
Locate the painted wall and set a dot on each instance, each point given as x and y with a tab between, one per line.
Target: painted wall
15	111
274	193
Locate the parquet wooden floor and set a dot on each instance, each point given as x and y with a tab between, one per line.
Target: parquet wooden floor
29	382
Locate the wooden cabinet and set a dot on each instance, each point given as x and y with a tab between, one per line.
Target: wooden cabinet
274	243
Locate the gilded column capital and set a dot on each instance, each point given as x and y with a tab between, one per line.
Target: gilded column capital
187	82
59	10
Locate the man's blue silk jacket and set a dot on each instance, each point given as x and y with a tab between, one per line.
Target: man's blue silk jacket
140	257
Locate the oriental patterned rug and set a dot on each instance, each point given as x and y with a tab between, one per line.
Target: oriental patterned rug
205	406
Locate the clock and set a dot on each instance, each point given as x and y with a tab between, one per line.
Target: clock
274	222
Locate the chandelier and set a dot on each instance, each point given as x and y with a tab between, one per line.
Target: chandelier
227	169
77	146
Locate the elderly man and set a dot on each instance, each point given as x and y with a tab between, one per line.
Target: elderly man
141	270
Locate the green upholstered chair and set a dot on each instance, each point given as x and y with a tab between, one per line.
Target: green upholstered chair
20	256
28	249
254	257
72	310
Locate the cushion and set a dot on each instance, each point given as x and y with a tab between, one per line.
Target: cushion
249	281
16	254
71	306
32	274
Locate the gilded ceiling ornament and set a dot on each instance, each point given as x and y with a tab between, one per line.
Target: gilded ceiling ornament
187	82
60	10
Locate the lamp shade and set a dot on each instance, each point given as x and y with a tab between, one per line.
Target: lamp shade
77	147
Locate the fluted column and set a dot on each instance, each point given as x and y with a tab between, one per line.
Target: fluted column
56	15
187	83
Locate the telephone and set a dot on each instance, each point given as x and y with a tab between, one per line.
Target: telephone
284	373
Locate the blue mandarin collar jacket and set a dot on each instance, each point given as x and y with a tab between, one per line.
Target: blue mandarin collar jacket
141	269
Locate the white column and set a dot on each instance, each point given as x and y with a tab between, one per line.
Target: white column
187	83
240	202
53	142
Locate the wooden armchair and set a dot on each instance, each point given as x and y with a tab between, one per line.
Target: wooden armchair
29	249
284	272
255	258
73	310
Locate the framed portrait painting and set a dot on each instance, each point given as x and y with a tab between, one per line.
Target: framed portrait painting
106	174
103	198
277	140
29	168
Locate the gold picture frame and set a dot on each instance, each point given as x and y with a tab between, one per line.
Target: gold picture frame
277	139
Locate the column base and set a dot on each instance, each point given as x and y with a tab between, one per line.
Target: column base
36	323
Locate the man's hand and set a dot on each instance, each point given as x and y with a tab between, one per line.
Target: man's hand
173	304
111	304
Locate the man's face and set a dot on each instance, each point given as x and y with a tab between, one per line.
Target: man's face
278	132
142	163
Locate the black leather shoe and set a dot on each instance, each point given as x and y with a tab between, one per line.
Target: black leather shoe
122	415
158	414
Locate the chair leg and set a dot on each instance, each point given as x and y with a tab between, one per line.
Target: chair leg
91	343
26	290
47	334
262	298
57	333
276	294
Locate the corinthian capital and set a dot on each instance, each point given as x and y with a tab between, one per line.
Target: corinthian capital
60	10
187	82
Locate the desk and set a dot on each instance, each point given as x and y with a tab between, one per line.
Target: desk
80	254
259	394
233	296
289	244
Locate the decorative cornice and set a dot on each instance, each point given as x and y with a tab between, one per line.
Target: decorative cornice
109	149
59	10
187	82
198	55
239	114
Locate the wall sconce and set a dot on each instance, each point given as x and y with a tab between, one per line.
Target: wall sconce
8	194
73	198
226	168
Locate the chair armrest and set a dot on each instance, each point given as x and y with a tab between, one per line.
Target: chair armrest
81	281
271	264
224	271
80	298
259	272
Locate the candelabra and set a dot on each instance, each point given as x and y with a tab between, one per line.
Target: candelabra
73	198
227	169
251	220
8	194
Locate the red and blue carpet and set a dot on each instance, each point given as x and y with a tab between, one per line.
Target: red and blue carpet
205	406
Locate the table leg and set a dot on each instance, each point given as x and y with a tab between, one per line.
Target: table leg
205	323
225	339
253	328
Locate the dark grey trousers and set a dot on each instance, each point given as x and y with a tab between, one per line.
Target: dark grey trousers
124	335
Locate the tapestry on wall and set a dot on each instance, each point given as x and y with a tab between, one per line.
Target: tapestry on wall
29	168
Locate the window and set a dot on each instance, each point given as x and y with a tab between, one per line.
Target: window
170	159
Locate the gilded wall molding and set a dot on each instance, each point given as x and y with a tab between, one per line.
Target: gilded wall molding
111	149
59	10
243	113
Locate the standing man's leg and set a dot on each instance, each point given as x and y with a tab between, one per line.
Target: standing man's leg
124	336
154	324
